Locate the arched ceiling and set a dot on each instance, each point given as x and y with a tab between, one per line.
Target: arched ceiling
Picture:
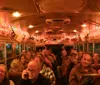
53	16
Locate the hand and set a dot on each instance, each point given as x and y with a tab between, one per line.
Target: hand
25	74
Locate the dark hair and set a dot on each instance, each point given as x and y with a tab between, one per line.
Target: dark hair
72	54
21	56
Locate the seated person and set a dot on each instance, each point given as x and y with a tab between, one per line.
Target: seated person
16	66
96	61
46	71
31	76
77	73
4	76
23	61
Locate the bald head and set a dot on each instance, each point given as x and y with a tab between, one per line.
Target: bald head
39	62
33	69
33	66
32	63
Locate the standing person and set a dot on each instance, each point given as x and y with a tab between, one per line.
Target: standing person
77	73
67	66
64	56
45	58
4	76
31	76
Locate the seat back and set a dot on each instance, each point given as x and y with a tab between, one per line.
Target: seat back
15	77
96	78
59	70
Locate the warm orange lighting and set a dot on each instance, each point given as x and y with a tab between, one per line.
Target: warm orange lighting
84	25
74	30
30	26
16	14
36	31
98	26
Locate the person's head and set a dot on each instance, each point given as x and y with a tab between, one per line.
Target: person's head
73	58
45	52
34	68
22	59
64	53
80	54
3	72
23	51
86	60
49	51
39	61
28	55
96	57
14	66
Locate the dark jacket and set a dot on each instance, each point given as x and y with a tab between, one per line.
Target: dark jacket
5	82
77	75
40	81
96	67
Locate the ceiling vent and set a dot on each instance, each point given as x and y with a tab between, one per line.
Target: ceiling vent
7	9
58	21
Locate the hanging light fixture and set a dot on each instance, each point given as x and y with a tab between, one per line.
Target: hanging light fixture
75	31
36	31
16	14
84	25
30	26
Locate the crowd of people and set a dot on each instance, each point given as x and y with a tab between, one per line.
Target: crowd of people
43	68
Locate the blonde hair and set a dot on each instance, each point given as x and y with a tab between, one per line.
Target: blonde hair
6	73
17	65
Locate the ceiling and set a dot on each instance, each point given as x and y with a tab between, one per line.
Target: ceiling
53	18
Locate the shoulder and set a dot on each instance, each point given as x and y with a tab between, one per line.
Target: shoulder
73	70
76	69
44	81
93	70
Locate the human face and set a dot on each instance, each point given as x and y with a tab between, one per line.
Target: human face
86	60
73	58
45	52
64	53
80	54
2	73
28	55
96	57
33	70
23	60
